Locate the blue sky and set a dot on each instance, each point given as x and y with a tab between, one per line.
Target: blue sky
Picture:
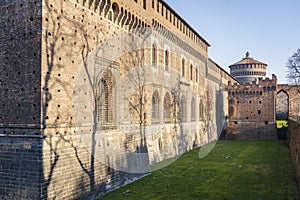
268	29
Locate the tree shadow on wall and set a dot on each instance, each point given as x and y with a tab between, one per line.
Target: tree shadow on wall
57	134
62	138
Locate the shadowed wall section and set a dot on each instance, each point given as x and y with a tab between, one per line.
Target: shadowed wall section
92	93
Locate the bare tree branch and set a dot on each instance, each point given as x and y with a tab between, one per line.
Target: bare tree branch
293	66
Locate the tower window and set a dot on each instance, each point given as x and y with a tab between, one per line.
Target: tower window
154	55
183	67
155	107
191	72
167	60
104	102
193	113
167	108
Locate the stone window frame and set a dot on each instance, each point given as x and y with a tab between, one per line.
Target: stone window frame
167	108
201	109
183	63
155	117
191	71
104	101
167	58
193	109
196	73
154	53
183	109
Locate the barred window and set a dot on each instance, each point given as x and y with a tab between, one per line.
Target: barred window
183	109
155	107
154	55
183	67
105	118
102	102
167	108
193	113
201	110
167	60
191	72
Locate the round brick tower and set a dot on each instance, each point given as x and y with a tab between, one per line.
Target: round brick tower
248	69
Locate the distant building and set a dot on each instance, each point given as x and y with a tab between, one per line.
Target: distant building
252	110
248	69
256	102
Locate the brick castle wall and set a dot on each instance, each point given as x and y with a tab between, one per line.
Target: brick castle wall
47	80
20	61
294	143
252	110
20	72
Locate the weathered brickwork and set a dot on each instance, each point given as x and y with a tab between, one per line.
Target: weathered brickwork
252	110
107	88
20	167
20	36
293	98
94	92
294	142
252	103
20	95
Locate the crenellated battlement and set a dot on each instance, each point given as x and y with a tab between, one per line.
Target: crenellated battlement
255	87
251	109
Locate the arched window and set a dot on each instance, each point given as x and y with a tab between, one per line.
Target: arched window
160	145
154	55
167	108
105	118
201	110
155	107
196	75
152	3
183	67
167	60
102	102
115	9
191	72
183	109
145	4
193	106
110	15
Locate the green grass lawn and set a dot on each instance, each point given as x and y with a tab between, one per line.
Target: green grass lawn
232	170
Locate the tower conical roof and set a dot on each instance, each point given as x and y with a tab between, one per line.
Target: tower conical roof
248	60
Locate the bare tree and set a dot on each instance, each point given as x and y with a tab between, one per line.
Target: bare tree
293	66
137	101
